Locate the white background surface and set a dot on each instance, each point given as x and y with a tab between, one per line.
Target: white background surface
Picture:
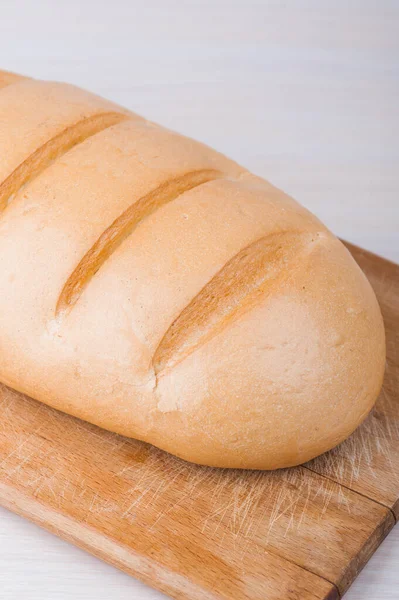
303	92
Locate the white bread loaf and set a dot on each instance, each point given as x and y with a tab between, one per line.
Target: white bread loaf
157	289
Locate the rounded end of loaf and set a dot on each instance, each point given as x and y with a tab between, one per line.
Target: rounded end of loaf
287	380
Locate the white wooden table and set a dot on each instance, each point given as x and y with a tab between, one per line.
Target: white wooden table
303	92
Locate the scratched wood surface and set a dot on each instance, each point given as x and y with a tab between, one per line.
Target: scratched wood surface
201	533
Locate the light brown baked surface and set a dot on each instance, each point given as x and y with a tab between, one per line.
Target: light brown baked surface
156	288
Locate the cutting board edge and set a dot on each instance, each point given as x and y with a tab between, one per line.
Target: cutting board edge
351	246
117	554
63	527
382	530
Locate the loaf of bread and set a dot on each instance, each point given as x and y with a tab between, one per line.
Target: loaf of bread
155	288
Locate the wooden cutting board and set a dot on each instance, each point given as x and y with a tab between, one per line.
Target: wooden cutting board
202	533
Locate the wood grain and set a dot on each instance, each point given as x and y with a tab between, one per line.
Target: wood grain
196	532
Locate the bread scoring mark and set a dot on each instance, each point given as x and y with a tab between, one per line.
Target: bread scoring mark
233	289
55	147
122	227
